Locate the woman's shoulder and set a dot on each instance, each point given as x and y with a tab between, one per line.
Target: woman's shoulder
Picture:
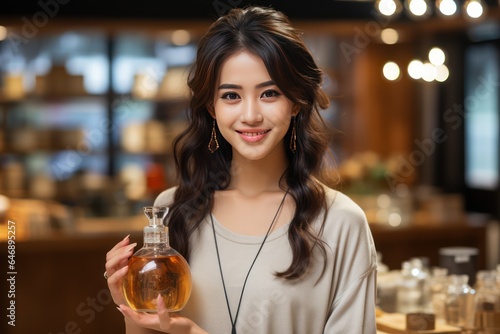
166	197
341	205
347	227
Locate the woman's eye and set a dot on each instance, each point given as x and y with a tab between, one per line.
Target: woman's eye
230	96
270	93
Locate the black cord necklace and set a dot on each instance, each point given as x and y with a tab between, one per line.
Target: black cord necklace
233	322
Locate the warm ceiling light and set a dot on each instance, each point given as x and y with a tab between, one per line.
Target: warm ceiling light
436	56
419	8
415	69
447	7
442	73
391	71
428	72
389	36
388	7
474	8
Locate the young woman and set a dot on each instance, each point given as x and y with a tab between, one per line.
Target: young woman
271	248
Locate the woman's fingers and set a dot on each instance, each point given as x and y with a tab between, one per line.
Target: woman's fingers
119	245
114	279
116	267
160	321
163	315
163	321
115	285
119	259
140	319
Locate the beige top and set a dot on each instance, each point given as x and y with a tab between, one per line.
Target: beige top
342	300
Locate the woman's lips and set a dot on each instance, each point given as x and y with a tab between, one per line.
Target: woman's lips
252	136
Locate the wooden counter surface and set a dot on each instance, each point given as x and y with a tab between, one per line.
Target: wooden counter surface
59	285
400	243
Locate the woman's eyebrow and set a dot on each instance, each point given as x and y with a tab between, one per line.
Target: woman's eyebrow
265	84
233	86
230	86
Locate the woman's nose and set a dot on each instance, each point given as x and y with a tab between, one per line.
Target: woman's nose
251	112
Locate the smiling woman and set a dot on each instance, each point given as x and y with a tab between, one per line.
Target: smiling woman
265	238
252	114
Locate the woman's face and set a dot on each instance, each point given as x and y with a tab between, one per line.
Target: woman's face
252	114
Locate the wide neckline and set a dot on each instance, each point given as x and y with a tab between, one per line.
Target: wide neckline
226	233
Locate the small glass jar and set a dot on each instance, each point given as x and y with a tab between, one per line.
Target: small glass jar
412	289
458	296
438	284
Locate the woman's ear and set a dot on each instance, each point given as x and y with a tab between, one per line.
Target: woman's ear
211	111
295	110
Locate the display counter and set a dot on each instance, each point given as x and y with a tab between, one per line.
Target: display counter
424	240
59	284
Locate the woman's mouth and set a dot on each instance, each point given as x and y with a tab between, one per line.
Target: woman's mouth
252	136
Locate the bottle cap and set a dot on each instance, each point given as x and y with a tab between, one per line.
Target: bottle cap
156	215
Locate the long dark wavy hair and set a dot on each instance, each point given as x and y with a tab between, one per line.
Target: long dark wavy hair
269	35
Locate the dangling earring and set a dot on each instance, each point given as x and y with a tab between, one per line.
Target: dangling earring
213	144
293	137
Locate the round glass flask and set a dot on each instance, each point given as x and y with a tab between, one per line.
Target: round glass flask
157	269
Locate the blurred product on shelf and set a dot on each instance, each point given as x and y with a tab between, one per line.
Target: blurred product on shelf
13	179
174	84
420	321
36	219
13	87
58	82
148	137
458	301
412	291
438	283
449	298
459	261
395	323
28	139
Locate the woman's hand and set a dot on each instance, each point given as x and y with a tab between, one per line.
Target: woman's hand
116	268
163	321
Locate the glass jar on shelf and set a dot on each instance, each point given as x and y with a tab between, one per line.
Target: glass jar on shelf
438	284
459	302
487	302
412	293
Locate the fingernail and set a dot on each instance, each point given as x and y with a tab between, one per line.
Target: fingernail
160	301
132	246
128	236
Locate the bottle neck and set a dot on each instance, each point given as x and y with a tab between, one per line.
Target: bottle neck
156	237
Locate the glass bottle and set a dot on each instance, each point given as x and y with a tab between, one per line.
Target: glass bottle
487	302
157	269
438	285
458	298
412	288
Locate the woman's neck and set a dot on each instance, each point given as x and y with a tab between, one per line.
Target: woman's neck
253	177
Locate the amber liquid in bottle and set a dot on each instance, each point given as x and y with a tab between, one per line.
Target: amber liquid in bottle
157	269
149	276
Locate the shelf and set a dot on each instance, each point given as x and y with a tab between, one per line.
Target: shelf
49	98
